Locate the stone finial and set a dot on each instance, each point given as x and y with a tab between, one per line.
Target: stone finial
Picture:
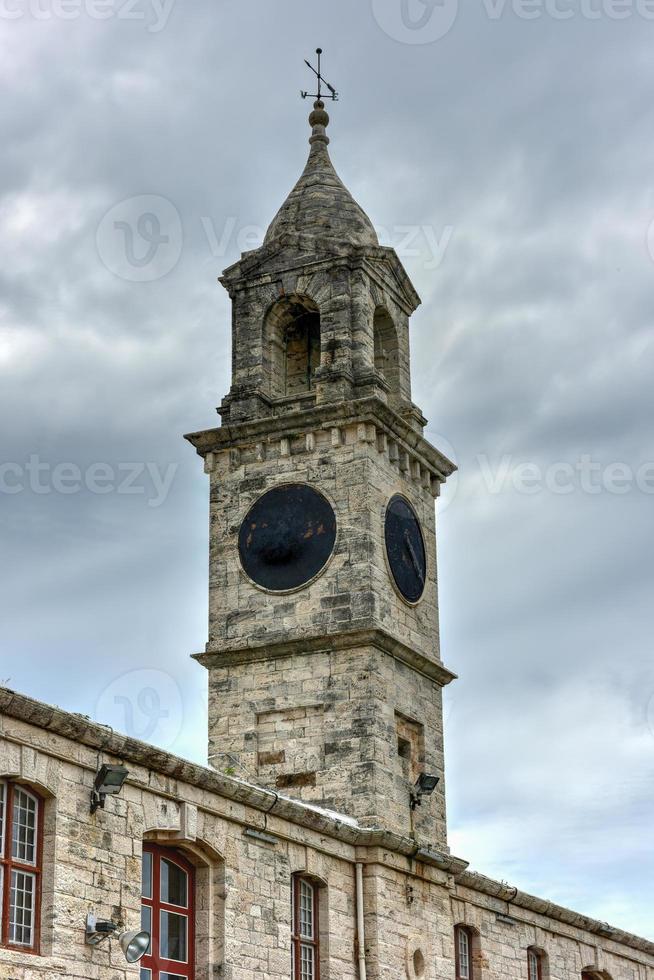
319	120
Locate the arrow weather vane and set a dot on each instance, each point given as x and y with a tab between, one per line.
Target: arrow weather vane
321	81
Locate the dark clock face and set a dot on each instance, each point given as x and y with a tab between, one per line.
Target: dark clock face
405	548
287	537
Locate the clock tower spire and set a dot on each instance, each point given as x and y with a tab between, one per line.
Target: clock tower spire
325	676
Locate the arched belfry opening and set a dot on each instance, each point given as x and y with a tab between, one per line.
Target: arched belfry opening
293	333
387	351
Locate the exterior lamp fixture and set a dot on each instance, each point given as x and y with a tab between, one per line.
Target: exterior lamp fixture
425	786
108	781
134	944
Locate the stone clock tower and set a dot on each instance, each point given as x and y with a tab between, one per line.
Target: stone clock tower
325	676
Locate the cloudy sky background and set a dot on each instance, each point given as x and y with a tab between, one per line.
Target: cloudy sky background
509	160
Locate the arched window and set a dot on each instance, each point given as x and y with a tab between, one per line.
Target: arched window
463	953
293	327
305	930
167	913
21	835
387	351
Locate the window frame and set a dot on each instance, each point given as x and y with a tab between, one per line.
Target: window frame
458	932
534	954
297	939
9	864
152	961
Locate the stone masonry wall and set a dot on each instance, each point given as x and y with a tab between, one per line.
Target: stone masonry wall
411	902
324	728
346	285
333	709
358	469
93	863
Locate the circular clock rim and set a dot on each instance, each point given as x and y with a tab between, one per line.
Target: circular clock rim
314	578
407	602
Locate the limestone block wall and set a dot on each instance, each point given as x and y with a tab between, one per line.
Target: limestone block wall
415	899
246	844
324	727
93	863
320	720
358	467
505	927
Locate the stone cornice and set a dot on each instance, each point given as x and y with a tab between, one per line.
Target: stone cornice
363	410
81	729
225	656
505	893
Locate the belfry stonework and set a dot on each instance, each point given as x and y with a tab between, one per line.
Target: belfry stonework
313	845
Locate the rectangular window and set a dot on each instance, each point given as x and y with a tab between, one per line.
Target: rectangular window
462	946
24	827
20	871
3	790
172	937
173	884
535	971
305	935
21	908
147	874
167	910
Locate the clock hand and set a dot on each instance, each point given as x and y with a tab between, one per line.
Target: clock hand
412	555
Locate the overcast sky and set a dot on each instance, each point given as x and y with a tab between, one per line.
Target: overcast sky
506	151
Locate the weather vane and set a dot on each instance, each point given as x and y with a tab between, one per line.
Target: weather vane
321	81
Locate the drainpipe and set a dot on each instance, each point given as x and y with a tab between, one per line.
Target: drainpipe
361	933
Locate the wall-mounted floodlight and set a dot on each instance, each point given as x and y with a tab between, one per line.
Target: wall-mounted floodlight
108	781
425	786
134	944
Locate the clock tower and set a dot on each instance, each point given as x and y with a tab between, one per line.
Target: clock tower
325	676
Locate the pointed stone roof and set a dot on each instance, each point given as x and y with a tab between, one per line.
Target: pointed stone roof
320	204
